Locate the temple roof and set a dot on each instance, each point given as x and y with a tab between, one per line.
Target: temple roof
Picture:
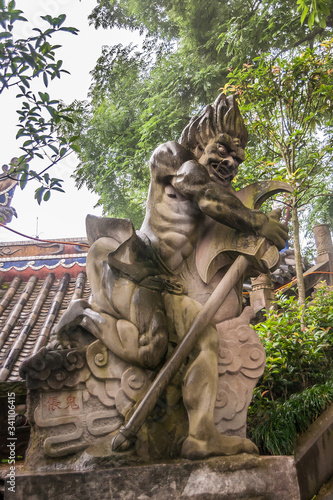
38	280
33	257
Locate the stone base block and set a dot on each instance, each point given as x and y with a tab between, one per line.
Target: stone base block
223	478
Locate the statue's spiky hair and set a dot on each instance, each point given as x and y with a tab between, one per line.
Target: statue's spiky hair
222	117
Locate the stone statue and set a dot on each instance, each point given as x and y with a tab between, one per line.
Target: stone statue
166	309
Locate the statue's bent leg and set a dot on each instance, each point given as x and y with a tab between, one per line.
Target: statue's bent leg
200	387
125	340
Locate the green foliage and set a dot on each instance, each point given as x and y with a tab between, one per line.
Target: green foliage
288	104
316	12
298	356
119	130
297	382
142	97
275	427
21	62
242	28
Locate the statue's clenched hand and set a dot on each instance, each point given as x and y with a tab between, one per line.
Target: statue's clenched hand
273	230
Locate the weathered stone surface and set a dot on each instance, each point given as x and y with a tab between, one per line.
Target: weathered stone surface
314	455
223	478
324	245
326	491
262	294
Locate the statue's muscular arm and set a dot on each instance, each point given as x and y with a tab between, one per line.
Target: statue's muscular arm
193	182
189	178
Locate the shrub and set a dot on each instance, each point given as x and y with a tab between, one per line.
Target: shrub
296	385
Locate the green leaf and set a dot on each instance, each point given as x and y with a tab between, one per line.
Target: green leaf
75	147
54	148
47	196
44	96
311	19
38	194
74	138
23	180
304	14
66	118
5	34
52	111
61	19
74	31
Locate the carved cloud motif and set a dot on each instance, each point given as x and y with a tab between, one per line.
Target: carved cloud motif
241	362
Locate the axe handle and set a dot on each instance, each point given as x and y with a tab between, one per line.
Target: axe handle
162	380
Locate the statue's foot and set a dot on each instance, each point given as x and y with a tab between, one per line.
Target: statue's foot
218	445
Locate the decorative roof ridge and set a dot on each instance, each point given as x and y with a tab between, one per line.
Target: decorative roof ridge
35	241
57	256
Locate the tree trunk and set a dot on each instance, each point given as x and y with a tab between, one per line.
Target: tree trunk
298	255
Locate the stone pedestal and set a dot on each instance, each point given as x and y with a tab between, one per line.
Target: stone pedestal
79	398
224	478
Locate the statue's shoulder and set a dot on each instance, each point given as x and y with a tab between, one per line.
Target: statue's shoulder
170	154
119	230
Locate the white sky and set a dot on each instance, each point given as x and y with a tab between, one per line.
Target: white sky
63	216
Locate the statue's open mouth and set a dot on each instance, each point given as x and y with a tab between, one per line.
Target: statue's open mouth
223	172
